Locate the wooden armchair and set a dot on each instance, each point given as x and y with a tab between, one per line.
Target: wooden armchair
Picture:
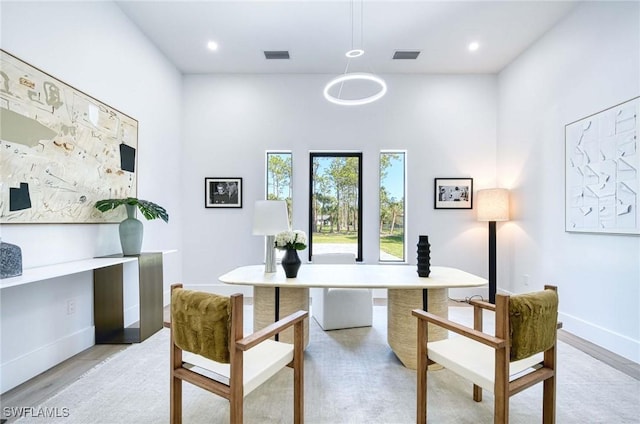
208	349
521	354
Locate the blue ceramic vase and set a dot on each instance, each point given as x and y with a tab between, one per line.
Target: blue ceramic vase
131	231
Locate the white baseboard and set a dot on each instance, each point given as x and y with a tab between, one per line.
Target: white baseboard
607	339
131	315
27	366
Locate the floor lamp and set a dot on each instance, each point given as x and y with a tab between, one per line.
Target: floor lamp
270	217
493	205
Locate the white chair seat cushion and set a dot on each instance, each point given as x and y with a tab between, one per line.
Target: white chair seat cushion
474	360
259	363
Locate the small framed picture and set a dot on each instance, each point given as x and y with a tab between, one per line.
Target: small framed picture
453	193
223	192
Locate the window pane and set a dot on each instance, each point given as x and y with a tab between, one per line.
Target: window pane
335	204
392	201
279	187
279	172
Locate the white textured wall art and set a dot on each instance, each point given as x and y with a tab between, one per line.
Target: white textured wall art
602	178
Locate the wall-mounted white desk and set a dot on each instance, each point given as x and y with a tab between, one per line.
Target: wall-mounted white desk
32	275
97	284
108	292
406	291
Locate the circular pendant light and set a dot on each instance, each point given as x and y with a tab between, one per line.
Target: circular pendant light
355	76
354	53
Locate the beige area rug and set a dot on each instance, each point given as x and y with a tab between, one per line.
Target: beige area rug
351	376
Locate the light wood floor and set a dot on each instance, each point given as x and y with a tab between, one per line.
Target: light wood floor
40	388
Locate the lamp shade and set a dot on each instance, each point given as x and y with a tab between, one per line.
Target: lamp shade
493	204
270	217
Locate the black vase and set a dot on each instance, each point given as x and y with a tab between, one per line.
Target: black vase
291	263
424	256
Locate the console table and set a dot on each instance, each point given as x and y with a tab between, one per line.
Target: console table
53	285
108	293
275	295
108	310
32	275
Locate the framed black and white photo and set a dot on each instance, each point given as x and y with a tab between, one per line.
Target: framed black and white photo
453	193
223	192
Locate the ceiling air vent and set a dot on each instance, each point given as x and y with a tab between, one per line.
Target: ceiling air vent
406	54
276	54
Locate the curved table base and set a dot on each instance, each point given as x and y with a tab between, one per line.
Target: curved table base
402	327
291	300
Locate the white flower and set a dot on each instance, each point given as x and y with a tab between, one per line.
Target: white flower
301	237
291	240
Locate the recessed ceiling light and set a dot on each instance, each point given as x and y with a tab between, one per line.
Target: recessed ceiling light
473	46
212	45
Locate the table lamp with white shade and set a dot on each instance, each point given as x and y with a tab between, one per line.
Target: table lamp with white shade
493	205
270	217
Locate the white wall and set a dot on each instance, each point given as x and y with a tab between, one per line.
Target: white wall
447	124
93	47
587	63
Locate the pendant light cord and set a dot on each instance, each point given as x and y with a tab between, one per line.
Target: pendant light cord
361	25
351	16
346	69
357	76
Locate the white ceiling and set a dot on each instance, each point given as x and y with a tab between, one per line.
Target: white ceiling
318	33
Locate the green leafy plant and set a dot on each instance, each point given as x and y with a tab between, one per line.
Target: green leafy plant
148	209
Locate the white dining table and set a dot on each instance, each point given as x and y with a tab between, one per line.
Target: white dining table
276	295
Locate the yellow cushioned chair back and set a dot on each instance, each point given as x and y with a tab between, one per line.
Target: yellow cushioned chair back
533	320
201	323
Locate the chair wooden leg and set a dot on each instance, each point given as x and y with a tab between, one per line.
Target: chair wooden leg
501	406
501	377
235	409
236	395
549	388
549	401
236	378
176	401
421	411
501	392
477	393
298	373
477	325
175	388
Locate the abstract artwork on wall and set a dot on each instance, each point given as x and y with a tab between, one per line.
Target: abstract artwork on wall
602	178
61	150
